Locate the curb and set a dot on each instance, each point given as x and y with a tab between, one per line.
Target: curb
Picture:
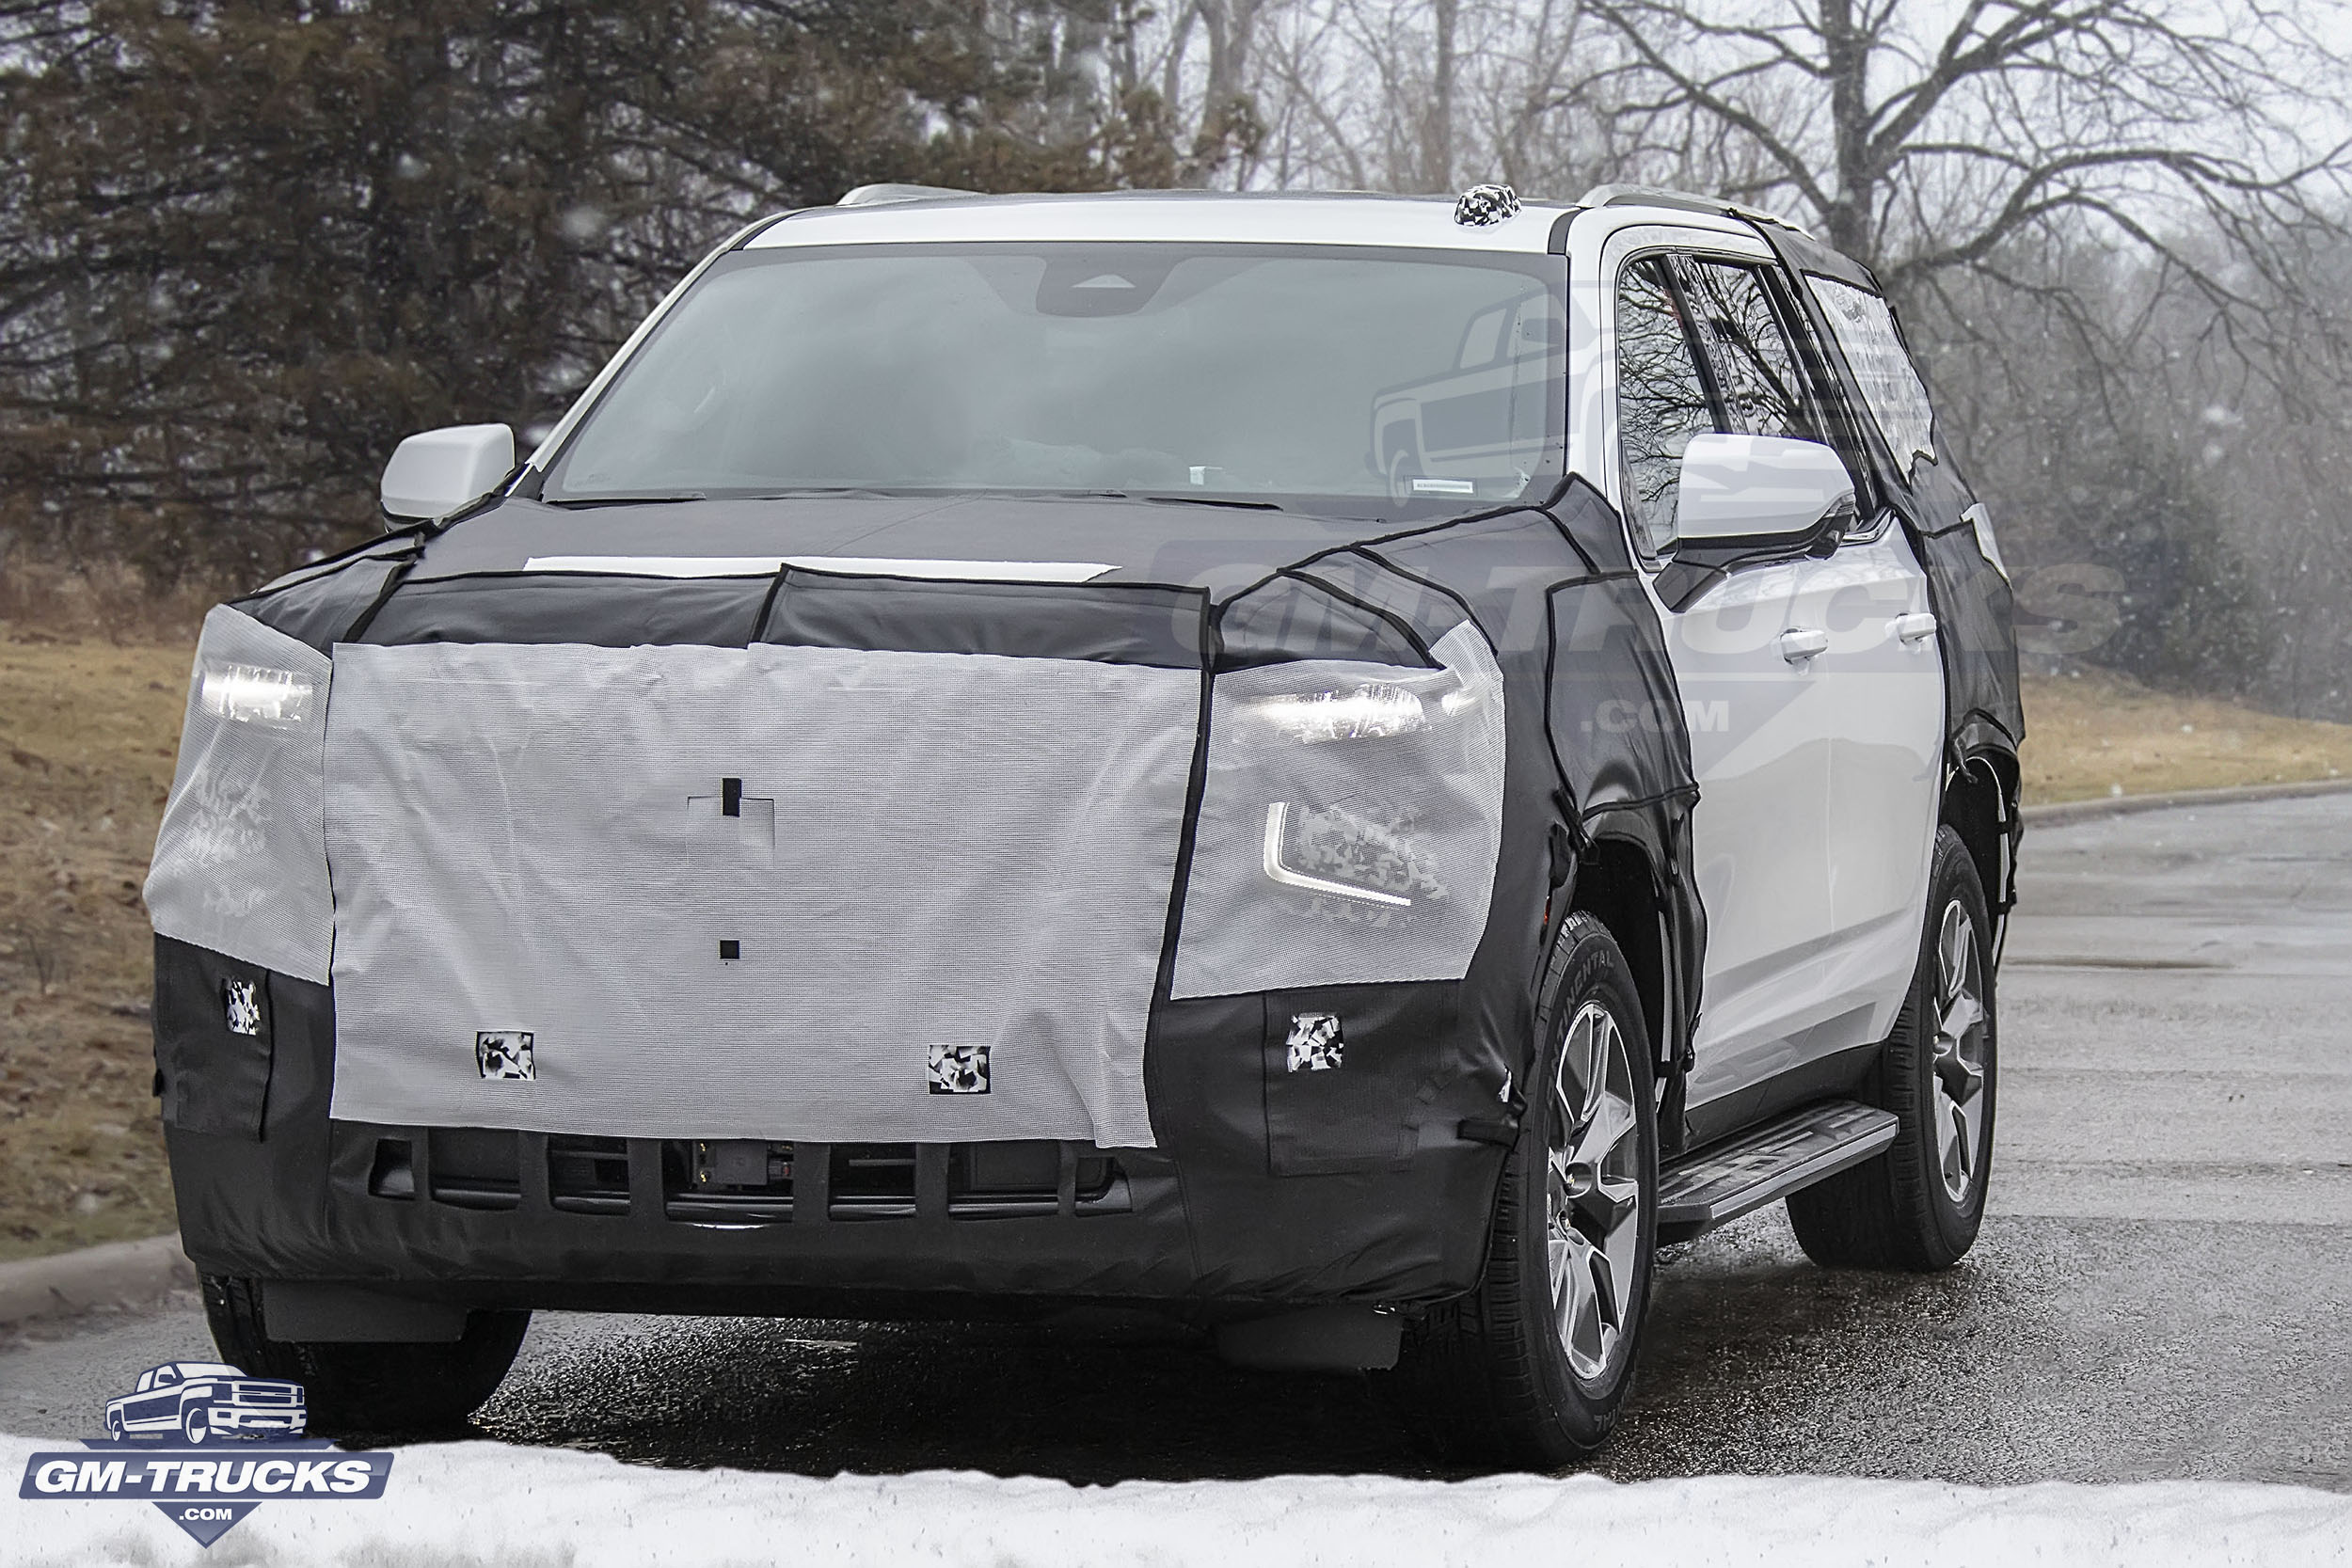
118	1275
2062	811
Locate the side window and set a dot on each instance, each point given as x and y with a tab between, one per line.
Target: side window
1662	400
1891	388
1756	368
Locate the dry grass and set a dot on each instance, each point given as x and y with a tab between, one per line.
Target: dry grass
2097	734
88	731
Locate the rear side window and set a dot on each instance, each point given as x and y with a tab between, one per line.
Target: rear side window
1891	388
1755	367
1662	401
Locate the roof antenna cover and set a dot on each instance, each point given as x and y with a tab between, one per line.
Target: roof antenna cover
883	195
1482	205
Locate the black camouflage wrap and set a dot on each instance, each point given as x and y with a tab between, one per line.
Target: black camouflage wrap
1368	1183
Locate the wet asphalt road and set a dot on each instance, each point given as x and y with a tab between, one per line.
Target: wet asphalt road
2162	1287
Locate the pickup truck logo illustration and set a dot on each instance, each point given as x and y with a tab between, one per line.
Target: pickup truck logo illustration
199	1400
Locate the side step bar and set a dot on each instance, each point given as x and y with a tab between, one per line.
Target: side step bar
1730	1180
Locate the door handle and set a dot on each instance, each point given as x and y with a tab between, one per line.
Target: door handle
1915	628
1799	643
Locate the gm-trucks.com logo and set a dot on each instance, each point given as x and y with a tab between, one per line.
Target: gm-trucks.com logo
207	1445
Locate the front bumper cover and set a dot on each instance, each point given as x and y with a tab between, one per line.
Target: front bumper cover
1267	1186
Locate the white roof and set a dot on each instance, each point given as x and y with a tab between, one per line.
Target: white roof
1271	218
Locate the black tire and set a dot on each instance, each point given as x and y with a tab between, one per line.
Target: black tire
363	1387
1900	1211
1488	1378
194	1425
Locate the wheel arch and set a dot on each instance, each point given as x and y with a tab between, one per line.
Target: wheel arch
1980	803
1616	883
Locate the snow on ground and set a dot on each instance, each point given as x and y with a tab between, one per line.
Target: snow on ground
465	1503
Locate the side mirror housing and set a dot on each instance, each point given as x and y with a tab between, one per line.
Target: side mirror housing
434	474
1760	490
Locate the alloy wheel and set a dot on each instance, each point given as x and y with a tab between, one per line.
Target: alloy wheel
1593	1195
1958	1055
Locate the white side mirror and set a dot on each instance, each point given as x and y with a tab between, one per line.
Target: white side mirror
1762	488
434	474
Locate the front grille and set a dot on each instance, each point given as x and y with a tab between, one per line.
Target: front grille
737	1182
726	1180
475	1167
588	1176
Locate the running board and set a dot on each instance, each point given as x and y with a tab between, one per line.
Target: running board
1767	1165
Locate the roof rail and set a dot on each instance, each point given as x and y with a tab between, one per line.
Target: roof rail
1657	196
876	196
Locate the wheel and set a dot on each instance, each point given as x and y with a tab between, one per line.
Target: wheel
194	1424
363	1387
1918	1205
1529	1369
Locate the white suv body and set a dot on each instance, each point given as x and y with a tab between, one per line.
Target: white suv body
952	727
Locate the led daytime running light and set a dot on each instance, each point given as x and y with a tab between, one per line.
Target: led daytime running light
1276	827
251	694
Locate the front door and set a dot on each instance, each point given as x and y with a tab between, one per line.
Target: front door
1760	739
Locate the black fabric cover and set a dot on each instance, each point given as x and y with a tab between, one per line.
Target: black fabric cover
214	1079
324	607
1266	1185
610	611
1114	623
1293	616
1362	1116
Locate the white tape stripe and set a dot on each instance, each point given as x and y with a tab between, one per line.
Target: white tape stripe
854	565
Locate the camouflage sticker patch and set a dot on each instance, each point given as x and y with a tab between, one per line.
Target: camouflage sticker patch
241	1000
959	1069
1314	1042
505	1054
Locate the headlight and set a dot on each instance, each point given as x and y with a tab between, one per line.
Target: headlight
1350	825
251	694
1358	713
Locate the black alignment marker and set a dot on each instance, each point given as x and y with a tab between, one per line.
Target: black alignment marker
730	797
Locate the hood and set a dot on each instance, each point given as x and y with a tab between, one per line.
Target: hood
1222	549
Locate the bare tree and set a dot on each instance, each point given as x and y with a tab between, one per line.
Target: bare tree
1923	139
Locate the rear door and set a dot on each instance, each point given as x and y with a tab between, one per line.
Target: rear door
1875	690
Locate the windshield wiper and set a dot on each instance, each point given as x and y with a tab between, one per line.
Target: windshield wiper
1215	500
631	501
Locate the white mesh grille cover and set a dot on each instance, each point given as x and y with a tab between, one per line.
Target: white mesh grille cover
1350	825
929	853
240	863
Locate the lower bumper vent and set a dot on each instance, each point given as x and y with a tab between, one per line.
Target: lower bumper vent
750	1181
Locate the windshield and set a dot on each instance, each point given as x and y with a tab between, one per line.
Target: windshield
1290	375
